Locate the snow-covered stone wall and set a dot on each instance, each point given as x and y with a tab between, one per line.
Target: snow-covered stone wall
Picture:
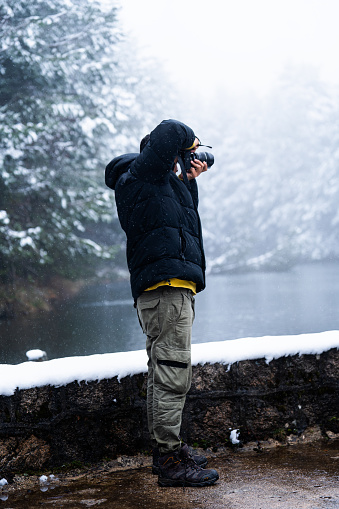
49	425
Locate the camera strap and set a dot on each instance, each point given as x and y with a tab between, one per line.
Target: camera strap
183	171
187	184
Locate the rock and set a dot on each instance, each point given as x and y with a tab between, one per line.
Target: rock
36	355
21	454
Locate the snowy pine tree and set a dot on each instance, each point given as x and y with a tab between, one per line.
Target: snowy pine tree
68	104
56	59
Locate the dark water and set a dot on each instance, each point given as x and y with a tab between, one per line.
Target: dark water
102	319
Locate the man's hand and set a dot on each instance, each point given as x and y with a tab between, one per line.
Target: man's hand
197	167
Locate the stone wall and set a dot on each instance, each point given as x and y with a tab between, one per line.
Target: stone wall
51	426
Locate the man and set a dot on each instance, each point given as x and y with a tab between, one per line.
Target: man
158	212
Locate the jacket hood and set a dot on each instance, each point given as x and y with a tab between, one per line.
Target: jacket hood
117	167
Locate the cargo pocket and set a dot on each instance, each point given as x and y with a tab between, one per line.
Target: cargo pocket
169	412
181	316
173	369
148	314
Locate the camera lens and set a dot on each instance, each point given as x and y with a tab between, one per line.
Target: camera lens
204	156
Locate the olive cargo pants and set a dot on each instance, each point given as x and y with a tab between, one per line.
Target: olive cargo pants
166	316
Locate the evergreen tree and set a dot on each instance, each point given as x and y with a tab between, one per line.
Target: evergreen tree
62	96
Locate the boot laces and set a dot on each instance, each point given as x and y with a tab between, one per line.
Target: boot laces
189	463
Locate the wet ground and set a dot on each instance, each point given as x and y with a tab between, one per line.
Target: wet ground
286	477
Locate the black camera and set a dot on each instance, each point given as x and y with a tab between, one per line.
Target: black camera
203	156
187	157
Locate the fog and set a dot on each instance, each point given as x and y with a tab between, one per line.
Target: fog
243	46
259	81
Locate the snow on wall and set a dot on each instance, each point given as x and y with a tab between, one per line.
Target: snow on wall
60	372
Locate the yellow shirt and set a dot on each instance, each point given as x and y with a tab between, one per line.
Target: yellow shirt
178	283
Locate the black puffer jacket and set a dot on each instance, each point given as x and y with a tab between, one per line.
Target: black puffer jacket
158	212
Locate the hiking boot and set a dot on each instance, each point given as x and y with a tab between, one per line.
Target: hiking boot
179	469
197	458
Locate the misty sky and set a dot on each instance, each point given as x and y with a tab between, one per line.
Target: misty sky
236	45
